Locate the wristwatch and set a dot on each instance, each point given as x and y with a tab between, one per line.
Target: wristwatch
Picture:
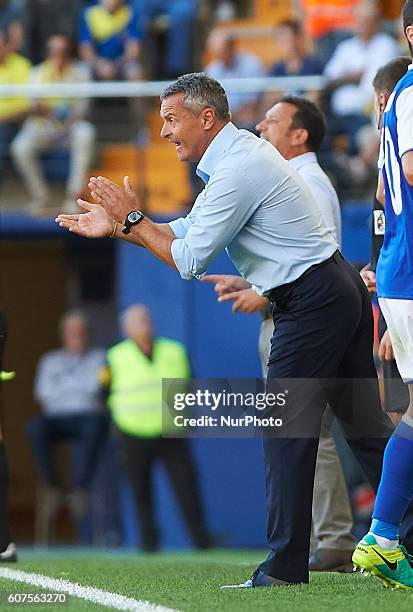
132	218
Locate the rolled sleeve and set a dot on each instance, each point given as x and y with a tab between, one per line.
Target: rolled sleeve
227	205
184	260
181	226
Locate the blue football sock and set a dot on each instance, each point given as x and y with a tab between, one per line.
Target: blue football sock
396	485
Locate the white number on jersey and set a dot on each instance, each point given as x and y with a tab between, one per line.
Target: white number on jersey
392	172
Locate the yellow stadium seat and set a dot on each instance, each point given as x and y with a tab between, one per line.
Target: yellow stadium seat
253	37
166	179
273	11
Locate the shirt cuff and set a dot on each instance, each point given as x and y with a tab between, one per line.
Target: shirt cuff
183	259
178	227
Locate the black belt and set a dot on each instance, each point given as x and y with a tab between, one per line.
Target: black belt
279	292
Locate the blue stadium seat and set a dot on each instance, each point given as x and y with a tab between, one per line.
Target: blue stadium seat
55	165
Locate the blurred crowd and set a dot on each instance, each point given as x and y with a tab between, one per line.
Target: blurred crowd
52	41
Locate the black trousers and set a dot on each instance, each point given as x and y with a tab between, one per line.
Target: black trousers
5	536
139	456
323	333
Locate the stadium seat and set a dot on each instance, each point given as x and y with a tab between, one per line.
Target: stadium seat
56	165
271	11
166	179
253	37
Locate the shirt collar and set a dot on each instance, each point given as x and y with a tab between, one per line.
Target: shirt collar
214	152
302	160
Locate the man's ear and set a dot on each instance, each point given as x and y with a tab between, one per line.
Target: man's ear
300	136
208	118
409	33
382	100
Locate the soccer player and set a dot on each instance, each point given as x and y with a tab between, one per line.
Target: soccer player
379	551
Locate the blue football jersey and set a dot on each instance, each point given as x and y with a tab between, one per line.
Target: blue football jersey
394	274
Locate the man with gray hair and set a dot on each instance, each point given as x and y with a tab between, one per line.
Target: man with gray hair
68	388
256	206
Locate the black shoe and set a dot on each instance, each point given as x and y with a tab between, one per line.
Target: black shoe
258	579
9	555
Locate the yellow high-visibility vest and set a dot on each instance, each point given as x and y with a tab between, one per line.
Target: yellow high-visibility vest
135	397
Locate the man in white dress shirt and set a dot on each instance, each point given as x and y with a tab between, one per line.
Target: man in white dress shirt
352	67
296	128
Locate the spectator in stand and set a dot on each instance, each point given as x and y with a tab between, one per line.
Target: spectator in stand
230	63
110	41
42	19
328	23
55	121
68	389
137	366
180	16
10	19
14	70
351	69
296	59
110	44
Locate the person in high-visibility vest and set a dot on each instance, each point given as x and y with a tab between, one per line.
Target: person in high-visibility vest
136	367
7	547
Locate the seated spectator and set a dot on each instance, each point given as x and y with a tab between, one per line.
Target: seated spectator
110	41
179	18
296	59
55	121
10	19
351	69
42	19
110	45
229	63
68	389
14	70
137	366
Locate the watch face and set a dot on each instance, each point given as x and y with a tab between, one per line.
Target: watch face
134	216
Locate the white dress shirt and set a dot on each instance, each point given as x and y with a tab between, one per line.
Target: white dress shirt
256	206
321	189
354	55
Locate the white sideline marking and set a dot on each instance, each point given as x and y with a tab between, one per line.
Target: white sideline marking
97	596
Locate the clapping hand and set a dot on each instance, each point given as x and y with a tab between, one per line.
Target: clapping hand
116	201
97	222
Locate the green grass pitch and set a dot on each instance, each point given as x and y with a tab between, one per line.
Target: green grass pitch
190	582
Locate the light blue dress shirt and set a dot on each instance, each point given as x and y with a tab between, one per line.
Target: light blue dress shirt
258	208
